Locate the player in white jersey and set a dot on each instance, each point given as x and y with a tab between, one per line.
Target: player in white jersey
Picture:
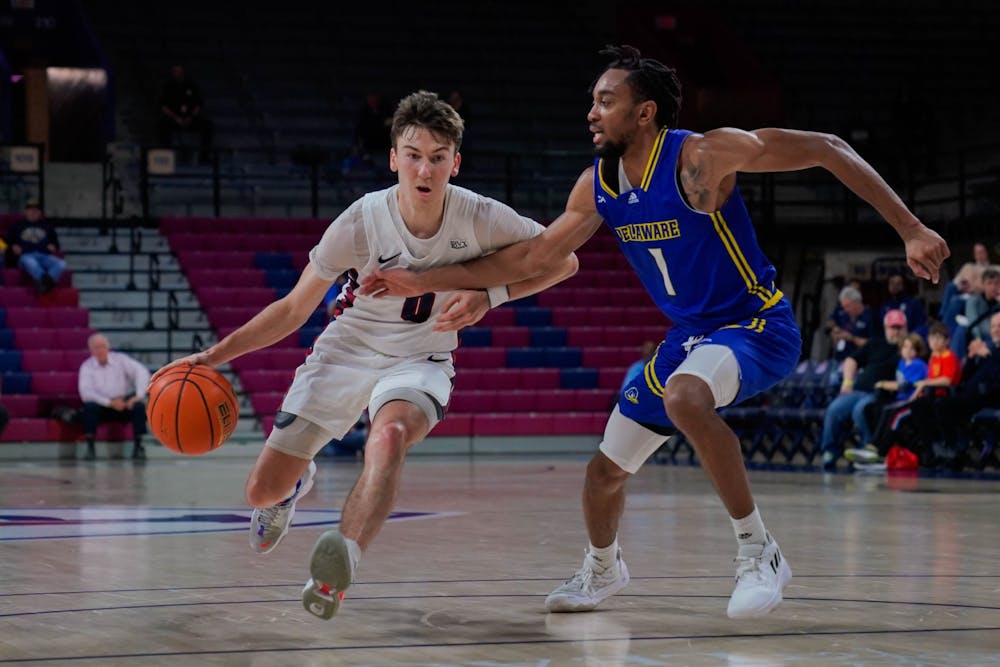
383	354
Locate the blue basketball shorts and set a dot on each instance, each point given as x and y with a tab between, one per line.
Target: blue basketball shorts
767	348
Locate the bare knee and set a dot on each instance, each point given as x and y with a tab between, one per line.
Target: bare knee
688	401
605	474
387	443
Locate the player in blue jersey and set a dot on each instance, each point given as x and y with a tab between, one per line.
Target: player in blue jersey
670	196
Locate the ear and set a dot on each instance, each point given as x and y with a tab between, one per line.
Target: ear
458	161
393	167
647	112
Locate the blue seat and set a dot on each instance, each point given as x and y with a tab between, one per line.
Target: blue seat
476	337
548	337
272	260
533	317
579	378
6	339
10	360
525	357
281	278
563	357
16	382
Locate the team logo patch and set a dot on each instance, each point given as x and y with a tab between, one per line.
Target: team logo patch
632	198
458	244
632	395
46	523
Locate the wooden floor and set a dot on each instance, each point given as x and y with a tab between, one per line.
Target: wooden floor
114	564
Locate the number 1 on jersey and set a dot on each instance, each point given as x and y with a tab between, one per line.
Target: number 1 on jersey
657	254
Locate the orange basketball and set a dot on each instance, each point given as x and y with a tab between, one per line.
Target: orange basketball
192	409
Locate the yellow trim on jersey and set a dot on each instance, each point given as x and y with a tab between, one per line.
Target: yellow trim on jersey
651	380
756	325
742	265
654	158
600	179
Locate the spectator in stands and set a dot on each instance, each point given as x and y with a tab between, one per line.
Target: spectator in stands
371	134
973	322
943	370
912	307
458	103
733	332
968	283
182	110
875	360
387	355
943	420
35	246
112	387
851	324
647	350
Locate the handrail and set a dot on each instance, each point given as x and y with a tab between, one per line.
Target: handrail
153	286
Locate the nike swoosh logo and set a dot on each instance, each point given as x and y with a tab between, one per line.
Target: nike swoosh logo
431	358
383	260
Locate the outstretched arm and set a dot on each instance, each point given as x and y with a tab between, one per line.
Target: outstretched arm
461	311
517	262
267	327
709	164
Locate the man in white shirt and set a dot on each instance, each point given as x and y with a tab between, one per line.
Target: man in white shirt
113	388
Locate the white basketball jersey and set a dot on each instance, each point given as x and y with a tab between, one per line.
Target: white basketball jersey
472	226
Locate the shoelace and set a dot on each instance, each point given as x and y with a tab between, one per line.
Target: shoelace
747	564
269	514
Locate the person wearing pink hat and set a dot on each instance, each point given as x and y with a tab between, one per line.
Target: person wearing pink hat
874	361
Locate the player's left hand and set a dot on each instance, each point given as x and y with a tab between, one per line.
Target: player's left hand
462	309
925	251
392	282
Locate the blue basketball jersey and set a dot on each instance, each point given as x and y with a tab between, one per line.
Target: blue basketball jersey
703	270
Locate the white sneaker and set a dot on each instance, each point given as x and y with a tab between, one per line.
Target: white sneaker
589	586
332	573
759	581
866	454
270	524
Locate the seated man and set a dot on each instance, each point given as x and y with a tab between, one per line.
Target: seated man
876	360
112	387
851	324
34	244
912	307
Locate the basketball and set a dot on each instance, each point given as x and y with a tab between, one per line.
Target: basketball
192	409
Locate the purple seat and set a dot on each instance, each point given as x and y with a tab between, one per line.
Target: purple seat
17	297
22	405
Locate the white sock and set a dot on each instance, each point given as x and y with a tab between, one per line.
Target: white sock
750	533
354	553
605	557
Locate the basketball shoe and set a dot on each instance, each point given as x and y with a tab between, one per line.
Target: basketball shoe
760	577
331	571
591	585
270	524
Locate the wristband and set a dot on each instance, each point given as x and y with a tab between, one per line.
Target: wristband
498	295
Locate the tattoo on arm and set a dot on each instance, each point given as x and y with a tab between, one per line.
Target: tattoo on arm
692	176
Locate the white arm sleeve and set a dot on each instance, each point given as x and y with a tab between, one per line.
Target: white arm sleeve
343	245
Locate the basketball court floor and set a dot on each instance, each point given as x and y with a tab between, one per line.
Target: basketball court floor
111	563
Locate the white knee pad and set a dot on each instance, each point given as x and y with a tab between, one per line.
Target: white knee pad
297	436
718	367
627	443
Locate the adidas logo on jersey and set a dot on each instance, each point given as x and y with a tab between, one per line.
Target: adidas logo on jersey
632	198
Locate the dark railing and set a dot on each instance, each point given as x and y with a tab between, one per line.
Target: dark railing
173	321
153	286
539	181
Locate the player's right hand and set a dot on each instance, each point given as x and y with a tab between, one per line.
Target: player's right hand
190	360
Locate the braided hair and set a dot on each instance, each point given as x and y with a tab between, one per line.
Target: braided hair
649	79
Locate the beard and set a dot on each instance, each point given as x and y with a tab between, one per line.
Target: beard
610	150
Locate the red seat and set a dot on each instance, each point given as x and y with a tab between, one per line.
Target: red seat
266	402
17	297
511	336
55	383
480	357
22	405
265	381
454	424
